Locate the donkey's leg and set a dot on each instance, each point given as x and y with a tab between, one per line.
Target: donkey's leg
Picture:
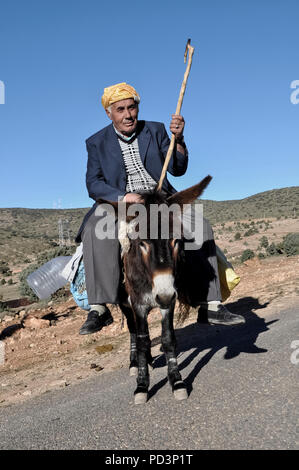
169	347
143	346
134	355
128	312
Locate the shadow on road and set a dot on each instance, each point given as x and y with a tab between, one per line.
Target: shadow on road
201	337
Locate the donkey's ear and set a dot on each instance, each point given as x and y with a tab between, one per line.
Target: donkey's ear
189	195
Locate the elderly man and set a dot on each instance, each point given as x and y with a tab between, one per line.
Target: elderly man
126	158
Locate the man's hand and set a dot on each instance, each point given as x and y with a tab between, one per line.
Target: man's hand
177	126
133	197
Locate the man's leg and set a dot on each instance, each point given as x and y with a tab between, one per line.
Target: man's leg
102	273
203	279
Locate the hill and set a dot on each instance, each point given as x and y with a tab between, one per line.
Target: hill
282	202
25	233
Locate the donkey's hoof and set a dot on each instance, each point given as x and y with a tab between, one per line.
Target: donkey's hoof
180	394
180	391
133	371
140	398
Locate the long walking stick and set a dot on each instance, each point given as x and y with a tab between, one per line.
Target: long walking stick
178	110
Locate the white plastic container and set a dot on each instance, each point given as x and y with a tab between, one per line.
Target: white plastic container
47	279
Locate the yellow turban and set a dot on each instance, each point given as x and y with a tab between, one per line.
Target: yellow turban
118	92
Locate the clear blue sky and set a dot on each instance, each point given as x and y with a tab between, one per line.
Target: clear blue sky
56	56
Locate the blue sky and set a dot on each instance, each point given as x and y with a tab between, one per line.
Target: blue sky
57	56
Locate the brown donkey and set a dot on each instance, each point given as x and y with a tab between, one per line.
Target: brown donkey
151	269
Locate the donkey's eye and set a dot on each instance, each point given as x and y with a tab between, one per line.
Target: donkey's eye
174	242
144	247
175	245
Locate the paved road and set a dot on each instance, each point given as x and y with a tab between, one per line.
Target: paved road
243	395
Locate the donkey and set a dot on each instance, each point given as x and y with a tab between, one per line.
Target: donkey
152	279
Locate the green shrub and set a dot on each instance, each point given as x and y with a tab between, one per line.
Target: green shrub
291	244
3	306
237	236
247	254
251	231
264	242
273	250
4	268
53	253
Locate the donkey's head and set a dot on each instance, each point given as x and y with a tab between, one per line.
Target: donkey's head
151	244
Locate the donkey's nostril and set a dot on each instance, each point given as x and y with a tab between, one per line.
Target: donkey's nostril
165	300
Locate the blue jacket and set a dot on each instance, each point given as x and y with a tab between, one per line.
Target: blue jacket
106	173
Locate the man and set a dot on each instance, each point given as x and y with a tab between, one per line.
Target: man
124	159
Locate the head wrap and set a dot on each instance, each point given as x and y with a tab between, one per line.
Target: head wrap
118	92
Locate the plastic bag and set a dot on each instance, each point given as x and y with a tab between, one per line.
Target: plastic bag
227	276
78	288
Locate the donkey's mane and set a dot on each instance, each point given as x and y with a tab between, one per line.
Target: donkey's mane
154	197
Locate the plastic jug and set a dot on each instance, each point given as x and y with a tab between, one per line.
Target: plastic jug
47	278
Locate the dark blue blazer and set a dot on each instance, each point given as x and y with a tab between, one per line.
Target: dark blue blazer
106	173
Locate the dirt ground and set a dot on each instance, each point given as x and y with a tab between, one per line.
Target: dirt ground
43	350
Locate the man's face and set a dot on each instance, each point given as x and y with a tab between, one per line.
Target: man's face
124	116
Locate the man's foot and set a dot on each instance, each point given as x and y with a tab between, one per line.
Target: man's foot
95	322
222	316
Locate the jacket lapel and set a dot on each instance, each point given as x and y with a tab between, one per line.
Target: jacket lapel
144	138
113	147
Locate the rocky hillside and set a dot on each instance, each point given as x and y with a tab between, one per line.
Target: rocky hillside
25	233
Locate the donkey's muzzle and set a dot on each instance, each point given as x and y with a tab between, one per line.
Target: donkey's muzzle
165	301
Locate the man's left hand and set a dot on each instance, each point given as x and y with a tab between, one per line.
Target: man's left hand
177	125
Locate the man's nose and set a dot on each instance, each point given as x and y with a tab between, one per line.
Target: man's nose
128	114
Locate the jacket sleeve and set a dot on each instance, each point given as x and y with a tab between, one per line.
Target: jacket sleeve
95	181
178	162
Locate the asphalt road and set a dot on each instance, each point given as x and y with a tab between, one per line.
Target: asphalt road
243	386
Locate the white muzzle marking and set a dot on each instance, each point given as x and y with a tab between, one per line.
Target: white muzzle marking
163	285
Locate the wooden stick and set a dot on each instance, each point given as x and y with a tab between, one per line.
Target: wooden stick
178	110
